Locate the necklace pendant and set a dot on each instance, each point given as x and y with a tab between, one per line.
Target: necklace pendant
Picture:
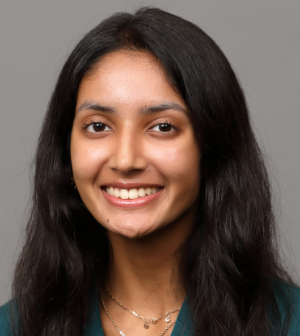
168	319
146	325
154	321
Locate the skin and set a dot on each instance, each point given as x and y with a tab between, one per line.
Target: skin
132	147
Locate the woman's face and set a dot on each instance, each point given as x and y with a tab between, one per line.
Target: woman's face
134	154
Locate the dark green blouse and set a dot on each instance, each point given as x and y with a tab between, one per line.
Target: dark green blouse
183	325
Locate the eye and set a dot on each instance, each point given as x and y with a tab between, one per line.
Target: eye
96	127
164	127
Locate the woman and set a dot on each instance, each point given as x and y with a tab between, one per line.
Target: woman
152	211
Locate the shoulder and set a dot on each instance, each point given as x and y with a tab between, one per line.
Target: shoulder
287	294
294	293
5	319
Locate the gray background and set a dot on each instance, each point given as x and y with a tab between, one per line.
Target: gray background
260	38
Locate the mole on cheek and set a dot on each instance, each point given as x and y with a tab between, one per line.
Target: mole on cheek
107	220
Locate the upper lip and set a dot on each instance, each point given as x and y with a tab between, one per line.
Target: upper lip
130	185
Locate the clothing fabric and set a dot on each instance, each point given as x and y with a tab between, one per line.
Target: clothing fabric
182	327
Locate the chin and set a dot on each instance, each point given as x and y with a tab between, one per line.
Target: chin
132	230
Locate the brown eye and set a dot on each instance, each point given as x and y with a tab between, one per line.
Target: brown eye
165	127
97	127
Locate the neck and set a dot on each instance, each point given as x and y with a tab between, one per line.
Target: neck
143	273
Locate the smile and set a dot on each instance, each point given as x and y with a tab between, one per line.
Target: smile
131	193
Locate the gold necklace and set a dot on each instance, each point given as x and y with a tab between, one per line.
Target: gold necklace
119	330
146	320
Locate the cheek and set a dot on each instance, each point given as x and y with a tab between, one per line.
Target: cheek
178	162
87	159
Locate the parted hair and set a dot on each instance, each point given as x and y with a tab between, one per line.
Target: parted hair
229	263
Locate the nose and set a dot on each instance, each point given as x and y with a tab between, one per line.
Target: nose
127	154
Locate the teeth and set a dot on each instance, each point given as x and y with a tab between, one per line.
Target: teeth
141	192
116	192
124	194
132	193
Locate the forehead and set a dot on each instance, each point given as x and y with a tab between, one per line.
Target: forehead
127	76
122	61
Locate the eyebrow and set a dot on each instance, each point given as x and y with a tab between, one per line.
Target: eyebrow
91	105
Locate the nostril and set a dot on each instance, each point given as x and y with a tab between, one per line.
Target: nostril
127	162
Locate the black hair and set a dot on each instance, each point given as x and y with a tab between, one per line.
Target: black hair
229	263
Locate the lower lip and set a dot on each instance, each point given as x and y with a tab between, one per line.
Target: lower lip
128	203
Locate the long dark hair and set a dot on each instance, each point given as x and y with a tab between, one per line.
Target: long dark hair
230	262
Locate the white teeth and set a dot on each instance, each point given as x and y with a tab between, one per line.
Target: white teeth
116	193
124	194
132	193
142	192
